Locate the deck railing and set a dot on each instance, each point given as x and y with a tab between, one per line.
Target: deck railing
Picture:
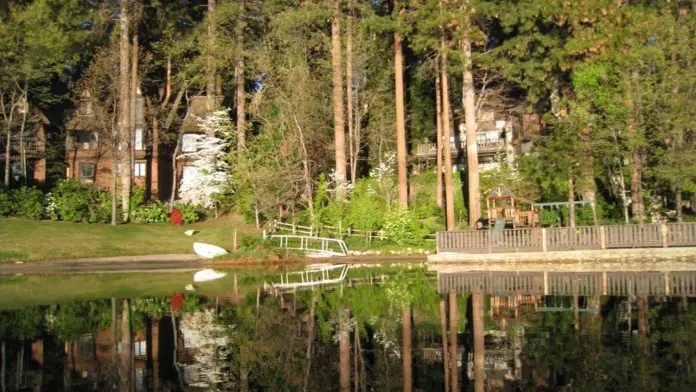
568	238
482	145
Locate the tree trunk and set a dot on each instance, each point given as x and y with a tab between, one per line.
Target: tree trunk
344	349
175	180
114	186
400	117
306	171
239	79
571	198
678	200
352	153
168	89
8	144
445	350
114	342
339	116
438	141
447	126
635	155
469	93
134	86
479	375
454	383
22	152
124	105
4	366
210	71
406	349
125	371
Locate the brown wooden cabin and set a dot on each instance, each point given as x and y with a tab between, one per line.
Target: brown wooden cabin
504	206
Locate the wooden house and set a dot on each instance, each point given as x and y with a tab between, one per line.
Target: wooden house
505	208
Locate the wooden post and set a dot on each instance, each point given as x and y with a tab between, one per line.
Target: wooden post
294	229
236	292
665	236
546	282
234	245
602	238
604	282
544	246
264	234
668	285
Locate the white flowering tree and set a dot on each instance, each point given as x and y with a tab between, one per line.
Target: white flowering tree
385	178
203	332
208	181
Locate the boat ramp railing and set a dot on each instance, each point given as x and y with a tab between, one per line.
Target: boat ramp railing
568	238
319	245
337	231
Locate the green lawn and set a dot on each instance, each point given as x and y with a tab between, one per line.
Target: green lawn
45	240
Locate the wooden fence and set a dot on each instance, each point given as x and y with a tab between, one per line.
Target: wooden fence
568	238
676	283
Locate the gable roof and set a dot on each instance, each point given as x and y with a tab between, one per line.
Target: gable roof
198	108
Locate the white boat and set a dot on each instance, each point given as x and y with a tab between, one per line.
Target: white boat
208	251
207	275
313	275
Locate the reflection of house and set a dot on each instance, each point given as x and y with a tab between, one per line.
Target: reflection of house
494	140
502	360
31	147
89	152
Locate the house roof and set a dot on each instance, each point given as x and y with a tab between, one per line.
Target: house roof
198	108
501	192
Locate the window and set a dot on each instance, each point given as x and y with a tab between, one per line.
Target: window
140	348
189	142
139	169
85	106
139	110
85	346
83	140
138	139
86	173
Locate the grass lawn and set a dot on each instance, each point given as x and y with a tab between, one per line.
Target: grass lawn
45	240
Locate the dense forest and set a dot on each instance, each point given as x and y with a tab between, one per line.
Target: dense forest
320	106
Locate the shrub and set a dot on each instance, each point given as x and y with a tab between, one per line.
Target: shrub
155	212
100	209
402	227
74	201
188	212
5	203
28	203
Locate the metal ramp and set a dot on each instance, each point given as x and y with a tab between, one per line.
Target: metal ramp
319	246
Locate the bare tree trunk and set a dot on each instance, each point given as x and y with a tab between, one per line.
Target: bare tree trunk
175	333
406	349
114	186
4	366
678	200
306	172
479	375
22	151
310	342
400	117
175	180
8	126
339	116
114	342
352	154
125	376
239	79
445	350
20	366
211	71
454	383
469	93
168	89
438	142
571	198
134	84
124	105
449	187
635	155
344	349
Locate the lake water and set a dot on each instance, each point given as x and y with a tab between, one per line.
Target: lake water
385	333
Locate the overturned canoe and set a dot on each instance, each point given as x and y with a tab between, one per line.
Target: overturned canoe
208	251
207	275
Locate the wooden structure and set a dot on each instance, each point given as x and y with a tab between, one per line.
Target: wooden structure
537	239
504	206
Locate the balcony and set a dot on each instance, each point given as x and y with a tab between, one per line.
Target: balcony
33	147
484	146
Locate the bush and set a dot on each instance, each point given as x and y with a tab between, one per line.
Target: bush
100	209
188	212
73	202
5	203
402	227
155	212
28	203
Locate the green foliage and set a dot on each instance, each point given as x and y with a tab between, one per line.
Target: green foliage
21	325
365	211
189	214
153	212
28	203
73	201
5	202
402	227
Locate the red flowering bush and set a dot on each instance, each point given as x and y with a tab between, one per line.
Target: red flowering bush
175	217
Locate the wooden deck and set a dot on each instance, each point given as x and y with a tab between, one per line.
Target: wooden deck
675	283
567	238
484	147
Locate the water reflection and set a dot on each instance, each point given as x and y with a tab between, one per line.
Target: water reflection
399	334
